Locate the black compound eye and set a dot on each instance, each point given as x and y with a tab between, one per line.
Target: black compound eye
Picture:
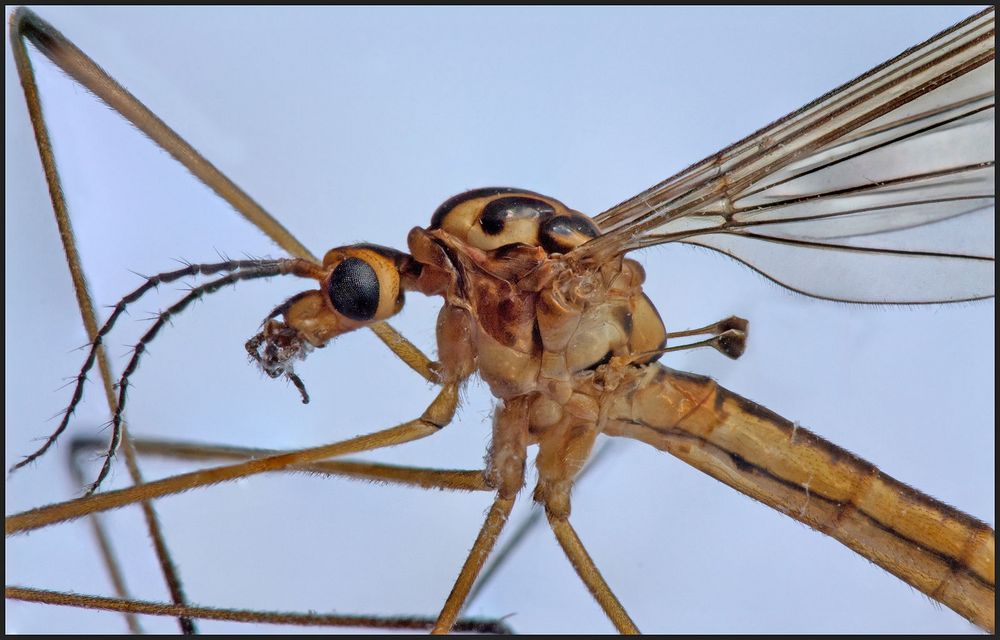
354	289
497	213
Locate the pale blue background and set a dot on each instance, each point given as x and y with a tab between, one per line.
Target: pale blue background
353	125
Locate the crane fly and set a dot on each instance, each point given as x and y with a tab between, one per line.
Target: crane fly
666	533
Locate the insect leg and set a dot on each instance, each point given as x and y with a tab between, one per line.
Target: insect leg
475	625
458	480
25	26
505	473
588	572
563	449
434	418
111	562
495	521
521	532
446	479
407	351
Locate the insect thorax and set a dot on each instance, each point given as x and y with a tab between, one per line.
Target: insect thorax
528	340
516	309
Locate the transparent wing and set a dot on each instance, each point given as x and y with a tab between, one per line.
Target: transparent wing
880	191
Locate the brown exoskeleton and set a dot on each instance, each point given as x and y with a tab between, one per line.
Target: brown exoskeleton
551	339
687	415
569	348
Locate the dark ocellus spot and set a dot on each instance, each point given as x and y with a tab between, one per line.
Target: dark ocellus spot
354	289
496	214
564	233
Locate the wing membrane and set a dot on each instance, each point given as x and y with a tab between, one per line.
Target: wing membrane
880	191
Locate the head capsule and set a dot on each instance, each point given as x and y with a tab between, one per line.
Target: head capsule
359	285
